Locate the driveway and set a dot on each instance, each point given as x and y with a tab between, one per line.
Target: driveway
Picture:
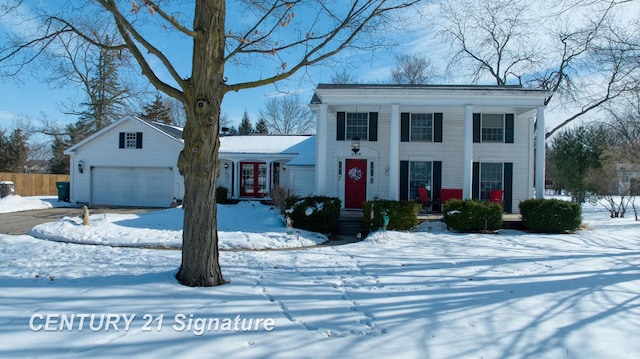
16	223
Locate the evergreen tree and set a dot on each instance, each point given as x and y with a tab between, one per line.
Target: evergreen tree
574	153
59	162
4	151
16	152
157	111
245	128
262	126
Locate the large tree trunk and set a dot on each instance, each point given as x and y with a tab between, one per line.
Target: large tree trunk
198	160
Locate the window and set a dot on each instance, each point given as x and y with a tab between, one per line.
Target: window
421	127
419	176
130	140
492	128
357	125
490	179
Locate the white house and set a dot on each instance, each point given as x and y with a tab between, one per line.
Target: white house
133	162
386	141
251	165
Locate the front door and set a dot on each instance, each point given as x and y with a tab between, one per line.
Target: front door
253	179
355	186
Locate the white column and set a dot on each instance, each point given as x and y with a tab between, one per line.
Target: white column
321	151
540	152
394	154
268	178
467	160
236	178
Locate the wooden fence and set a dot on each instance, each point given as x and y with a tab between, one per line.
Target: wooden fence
34	184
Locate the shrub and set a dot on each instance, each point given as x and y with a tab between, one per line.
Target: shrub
279	197
550	215
222	194
472	216
403	215
314	213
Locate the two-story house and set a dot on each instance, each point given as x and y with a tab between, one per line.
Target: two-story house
386	141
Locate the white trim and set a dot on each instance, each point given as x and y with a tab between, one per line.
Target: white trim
540	152
467	160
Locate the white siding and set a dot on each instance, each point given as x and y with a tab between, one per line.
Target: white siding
450	151
158	150
300	179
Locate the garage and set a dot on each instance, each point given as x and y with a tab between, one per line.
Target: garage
132	186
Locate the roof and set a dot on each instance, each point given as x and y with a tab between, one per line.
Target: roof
259	143
428	95
306	151
155	126
173	131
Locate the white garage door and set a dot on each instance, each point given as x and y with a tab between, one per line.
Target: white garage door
127	186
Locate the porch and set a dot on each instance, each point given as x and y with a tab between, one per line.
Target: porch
351	222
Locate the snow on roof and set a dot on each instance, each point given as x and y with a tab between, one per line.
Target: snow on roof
260	143
306	151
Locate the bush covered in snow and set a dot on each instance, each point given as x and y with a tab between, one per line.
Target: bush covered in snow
314	213
472	216
403	215
550	215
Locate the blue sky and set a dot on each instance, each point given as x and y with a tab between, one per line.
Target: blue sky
30	97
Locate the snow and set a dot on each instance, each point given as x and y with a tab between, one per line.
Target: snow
15	203
245	225
428	293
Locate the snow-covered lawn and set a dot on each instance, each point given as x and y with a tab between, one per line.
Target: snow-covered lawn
425	294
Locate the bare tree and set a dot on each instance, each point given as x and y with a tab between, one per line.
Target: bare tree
568	49
282	42
177	113
288	115
491	38
343	77
413	70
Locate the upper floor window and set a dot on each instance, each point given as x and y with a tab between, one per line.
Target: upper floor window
421	127
493	128
358	125
130	140
361	125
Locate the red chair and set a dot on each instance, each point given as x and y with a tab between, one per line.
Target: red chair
424	198
496	196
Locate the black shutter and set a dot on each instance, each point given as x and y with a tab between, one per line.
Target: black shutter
476	127
138	139
341	123
121	143
437	181
404	180
475	183
508	128
373	126
508	187
437	127
404	127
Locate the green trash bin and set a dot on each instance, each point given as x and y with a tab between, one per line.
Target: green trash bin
63	191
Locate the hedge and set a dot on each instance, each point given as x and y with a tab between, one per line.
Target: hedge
403	215
472	216
550	215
